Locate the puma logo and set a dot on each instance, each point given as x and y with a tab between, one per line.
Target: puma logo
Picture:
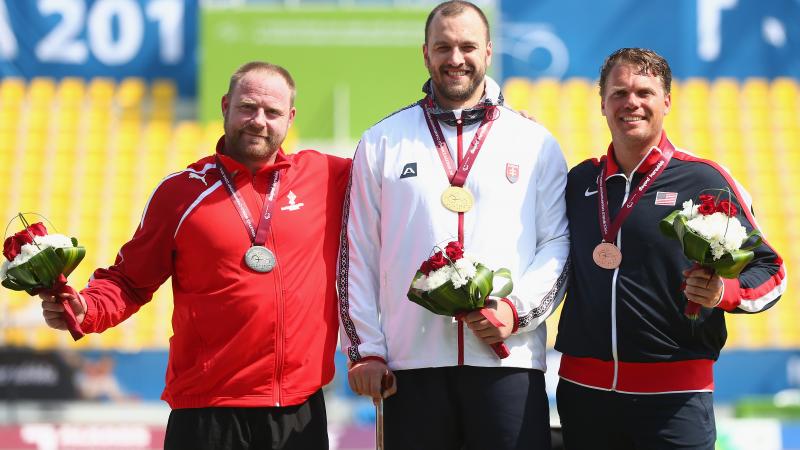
199	177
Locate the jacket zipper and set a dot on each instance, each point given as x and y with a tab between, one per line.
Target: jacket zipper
460	154
614	351
279	324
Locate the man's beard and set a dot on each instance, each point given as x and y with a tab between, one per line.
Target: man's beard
458	93
235	145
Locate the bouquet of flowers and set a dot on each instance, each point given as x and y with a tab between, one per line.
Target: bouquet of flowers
452	283
40	262
712	237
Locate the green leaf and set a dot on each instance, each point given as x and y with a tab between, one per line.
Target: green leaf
70	258
10	284
695	247
508	287
46	266
730	265
667	224
22	275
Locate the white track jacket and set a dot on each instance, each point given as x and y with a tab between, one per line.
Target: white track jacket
394	217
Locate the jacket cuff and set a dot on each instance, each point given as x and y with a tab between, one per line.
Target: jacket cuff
730	294
370	358
90	316
514	311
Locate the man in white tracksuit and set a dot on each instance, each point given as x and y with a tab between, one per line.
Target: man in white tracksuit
452	391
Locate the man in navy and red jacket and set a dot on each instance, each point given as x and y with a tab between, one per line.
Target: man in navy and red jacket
636	372
255	311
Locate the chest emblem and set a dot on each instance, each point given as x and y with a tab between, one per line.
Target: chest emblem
293	205
409	170
197	176
666	198
512	172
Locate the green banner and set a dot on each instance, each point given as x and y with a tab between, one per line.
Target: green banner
352	67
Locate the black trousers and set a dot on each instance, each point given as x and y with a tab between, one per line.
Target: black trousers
592	419
300	427
474	408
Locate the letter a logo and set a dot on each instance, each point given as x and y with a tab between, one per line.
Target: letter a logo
409	170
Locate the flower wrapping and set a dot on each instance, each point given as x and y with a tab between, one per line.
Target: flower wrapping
38	262
451	283
712	237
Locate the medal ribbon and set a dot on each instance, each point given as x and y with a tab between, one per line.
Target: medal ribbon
610	230
457	175
258	236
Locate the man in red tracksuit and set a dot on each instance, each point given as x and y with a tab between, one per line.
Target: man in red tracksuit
249	236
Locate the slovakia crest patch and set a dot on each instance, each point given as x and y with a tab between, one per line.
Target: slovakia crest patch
512	172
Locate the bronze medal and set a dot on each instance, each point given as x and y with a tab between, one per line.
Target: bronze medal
607	255
457	199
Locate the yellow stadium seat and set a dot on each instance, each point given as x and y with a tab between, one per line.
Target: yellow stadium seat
71	91
784	93
755	93
517	92
41	91
130	92
12	91
101	90
696	92
164	90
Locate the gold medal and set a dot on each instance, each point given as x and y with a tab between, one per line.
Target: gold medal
457	199
607	255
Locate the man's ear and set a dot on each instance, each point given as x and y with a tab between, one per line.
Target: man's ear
225	104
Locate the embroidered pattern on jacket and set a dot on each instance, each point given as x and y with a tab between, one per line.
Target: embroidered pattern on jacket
549	299
342	279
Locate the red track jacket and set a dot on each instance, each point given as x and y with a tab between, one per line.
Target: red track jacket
241	338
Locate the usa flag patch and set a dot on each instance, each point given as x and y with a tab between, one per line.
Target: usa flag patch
666	198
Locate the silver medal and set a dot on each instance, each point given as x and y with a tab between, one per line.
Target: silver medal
260	259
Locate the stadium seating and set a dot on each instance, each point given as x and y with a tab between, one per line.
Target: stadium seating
87	154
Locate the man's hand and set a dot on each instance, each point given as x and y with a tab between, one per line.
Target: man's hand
703	287
484	330
366	377
53	310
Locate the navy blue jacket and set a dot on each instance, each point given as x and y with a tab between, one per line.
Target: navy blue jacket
625	329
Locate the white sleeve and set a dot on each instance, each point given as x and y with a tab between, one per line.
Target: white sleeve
359	258
542	286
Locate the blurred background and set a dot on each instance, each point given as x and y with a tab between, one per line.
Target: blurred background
100	99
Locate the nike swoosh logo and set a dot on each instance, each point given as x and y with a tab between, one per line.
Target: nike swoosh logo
589	193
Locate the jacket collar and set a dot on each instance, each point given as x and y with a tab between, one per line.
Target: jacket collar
492	96
647	162
234	167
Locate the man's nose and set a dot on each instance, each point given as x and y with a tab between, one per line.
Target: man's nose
456	58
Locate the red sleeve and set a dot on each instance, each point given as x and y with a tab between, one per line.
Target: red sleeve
141	266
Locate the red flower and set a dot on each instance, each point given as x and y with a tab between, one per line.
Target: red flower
707	208
706	198
728	208
12	246
454	251
425	268
437	261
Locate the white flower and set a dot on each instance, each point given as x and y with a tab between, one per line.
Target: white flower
459	273
689	209
28	251
3	270
725	234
